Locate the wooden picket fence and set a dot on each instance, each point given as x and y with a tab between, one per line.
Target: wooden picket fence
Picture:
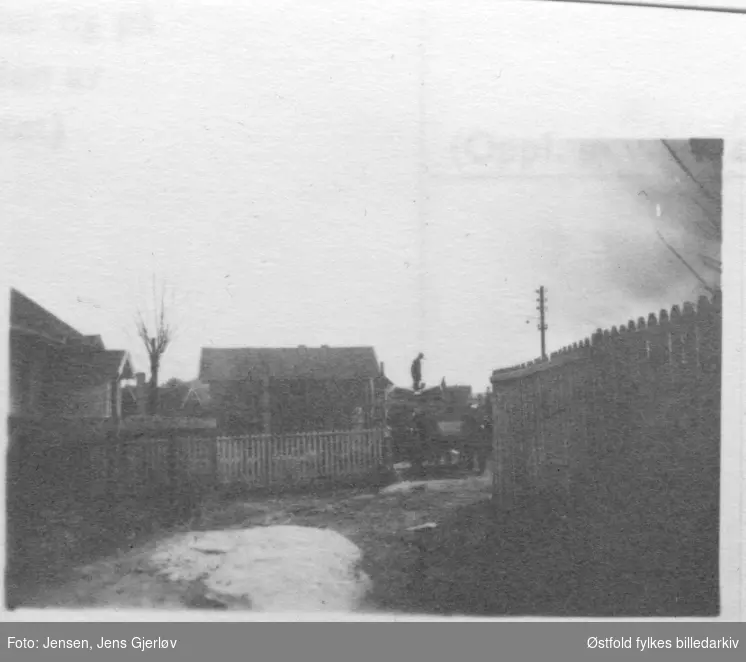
268	460
262	460
616	406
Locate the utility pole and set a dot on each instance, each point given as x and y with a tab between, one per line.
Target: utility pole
542	325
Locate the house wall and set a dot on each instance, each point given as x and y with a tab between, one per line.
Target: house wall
295	405
15	387
237	406
36	389
29	357
314	405
91	402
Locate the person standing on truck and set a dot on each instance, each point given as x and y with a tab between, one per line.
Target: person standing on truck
417	372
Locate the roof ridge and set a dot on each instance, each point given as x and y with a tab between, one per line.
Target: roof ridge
238	362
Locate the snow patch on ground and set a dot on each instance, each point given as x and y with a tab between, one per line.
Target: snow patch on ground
274	568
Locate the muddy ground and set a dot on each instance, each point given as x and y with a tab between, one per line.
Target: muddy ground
376	521
554	558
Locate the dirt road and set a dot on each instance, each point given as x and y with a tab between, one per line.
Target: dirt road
375	522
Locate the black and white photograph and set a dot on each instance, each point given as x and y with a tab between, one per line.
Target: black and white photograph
338	309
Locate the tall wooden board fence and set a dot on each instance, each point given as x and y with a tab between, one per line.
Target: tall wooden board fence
623	428
643	395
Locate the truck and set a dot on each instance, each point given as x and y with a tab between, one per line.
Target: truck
437	426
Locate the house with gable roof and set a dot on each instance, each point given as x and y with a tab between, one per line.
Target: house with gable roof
57	371
294	389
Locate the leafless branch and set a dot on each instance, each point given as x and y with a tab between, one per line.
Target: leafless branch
142	328
686	264
157	339
711	263
688	172
711	221
707	231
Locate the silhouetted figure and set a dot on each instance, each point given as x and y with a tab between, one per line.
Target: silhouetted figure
417	371
485	449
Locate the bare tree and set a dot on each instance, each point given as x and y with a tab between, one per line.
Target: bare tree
156	339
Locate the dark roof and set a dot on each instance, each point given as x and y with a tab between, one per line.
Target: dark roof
89	367
112	362
315	362
27	315
94	342
76	359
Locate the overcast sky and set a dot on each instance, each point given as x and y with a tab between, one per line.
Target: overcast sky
347	176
